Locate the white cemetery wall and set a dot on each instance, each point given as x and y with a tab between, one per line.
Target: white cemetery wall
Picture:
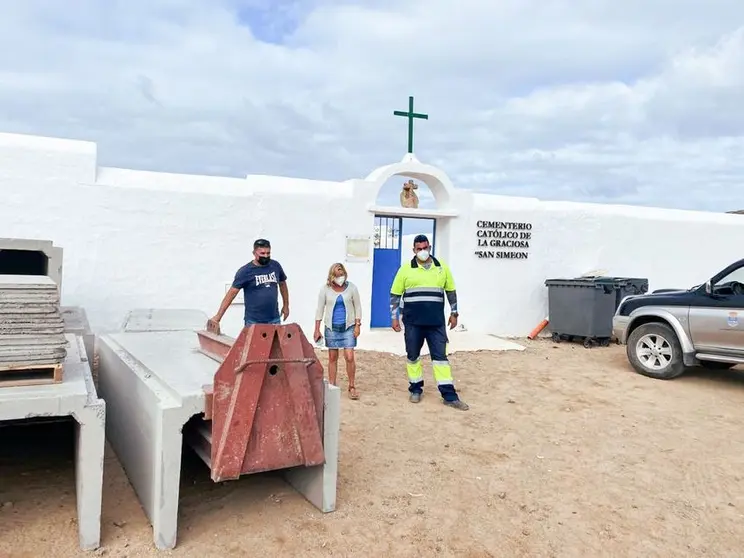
501	280
137	239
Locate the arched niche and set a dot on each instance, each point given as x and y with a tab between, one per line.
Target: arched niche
391	190
441	187
437	181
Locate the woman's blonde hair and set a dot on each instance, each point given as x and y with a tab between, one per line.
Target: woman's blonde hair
332	272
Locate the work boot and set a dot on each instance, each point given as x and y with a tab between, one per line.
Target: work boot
415	398
459	405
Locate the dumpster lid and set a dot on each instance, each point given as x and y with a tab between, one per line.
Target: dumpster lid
580	282
594	281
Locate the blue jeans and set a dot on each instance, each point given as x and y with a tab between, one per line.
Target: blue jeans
276	321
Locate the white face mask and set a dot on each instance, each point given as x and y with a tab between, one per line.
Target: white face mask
339	281
423	255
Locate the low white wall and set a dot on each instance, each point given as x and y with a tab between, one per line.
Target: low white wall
136	239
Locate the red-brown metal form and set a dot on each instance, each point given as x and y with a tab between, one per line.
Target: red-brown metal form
214	346
266	405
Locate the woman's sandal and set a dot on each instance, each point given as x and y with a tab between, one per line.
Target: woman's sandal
353	393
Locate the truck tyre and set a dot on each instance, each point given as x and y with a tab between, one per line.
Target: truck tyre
654	351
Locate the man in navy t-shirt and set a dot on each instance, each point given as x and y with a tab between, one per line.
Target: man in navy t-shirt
261	281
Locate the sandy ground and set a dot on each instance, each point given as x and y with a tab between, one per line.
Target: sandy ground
565	452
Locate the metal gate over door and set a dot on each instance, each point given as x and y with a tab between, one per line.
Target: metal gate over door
385	264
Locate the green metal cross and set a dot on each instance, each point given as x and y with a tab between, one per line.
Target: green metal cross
410	115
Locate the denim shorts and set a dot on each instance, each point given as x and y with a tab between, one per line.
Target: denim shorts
277	321
340	339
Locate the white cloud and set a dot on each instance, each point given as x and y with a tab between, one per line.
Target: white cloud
631	102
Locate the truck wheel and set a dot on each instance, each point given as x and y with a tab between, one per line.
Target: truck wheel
654	351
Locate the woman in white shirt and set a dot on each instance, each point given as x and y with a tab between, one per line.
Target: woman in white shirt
340	308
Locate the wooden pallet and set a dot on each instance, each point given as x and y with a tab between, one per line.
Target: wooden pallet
30	374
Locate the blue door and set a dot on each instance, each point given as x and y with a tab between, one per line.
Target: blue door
385	264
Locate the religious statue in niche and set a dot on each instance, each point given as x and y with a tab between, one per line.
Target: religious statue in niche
408	197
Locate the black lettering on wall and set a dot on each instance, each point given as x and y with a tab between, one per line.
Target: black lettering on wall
513	239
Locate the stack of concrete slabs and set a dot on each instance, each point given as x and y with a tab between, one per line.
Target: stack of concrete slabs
32	340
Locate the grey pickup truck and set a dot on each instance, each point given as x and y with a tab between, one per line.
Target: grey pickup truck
668	330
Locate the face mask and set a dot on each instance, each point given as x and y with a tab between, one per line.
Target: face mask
263	260
423	255
339	281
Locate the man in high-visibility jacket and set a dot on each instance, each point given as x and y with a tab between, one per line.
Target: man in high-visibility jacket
418	291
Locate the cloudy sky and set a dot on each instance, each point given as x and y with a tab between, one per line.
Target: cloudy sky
633	101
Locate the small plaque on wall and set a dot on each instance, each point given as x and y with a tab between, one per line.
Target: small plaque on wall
238	298
357	248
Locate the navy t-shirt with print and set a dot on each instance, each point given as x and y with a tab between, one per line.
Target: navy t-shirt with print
260	284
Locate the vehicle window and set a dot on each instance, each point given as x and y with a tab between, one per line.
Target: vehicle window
736	275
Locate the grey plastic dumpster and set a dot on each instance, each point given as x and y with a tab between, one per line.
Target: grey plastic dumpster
626	286
583	307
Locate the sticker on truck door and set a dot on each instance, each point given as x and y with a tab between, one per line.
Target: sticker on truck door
733	319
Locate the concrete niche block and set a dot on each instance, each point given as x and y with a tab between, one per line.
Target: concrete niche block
75	396
154	383
22	256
